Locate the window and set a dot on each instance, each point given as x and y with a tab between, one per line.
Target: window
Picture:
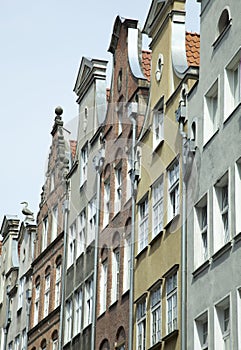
103	286
120	118
71	244
158	120
45	233
68	324
221	213
237	195
10	346
232	85
24	340
128	178
224	21
201	332
83	164
201	232
88	301
222	325
55	344
141	325
115	275
106	202
58	284
156	315
127	263
171	295
211	112
54	223
36	304
157	208
173	189
118	189
46	295
78	311
81	233
17	343
52	181
92	220
20	292
143	224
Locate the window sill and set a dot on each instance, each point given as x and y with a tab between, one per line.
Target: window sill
102	314
201	268
125	293
168	224
112	305
19	310
141	252
222	251
156	238
157	146
226	120
221	36
115	215
171	335
155	346
237	238
82	185
85	328
207	142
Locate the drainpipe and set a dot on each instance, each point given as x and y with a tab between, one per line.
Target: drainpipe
97	160
131	295
28	303
183	245
66	219
8	319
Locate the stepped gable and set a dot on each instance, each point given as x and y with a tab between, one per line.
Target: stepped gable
193	48
146	64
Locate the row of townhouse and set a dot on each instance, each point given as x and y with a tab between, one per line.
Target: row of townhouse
137	240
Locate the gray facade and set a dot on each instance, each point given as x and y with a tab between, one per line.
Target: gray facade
90	89
214	184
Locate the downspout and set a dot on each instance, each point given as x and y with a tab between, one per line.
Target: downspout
28	303
8	320
98	170
183	245
131	295
66	219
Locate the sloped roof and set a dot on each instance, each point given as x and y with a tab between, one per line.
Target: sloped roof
193	48
146	64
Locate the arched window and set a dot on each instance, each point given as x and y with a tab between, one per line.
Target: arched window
105	345
55	340
103	278
47	291
58	273
224	21
120	339
37	300
43	344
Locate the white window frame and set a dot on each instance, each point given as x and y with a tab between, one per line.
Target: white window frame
17	342
36	303
127	263
115	275
201	331
201	230
173	190
71	244
106	212
120	118
46	294
143	208
58	285
155	309
68	320
221	209
88	302
211	112
171	302
237	196
44	233
78	311
82	222
158	126
103	286
141	325
83	164
222	324
24	340
232	85
118	188
21	292
54	228
157	207
91	220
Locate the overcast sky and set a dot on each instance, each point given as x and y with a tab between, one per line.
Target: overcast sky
42	43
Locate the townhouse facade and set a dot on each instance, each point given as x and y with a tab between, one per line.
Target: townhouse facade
127	101
213	219
45	321
159	270
15	281
83	213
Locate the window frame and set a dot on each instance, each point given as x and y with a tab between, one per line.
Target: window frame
143	226
173	173
157	205
81	233
171	295
84	154
141	325
156	322
115	275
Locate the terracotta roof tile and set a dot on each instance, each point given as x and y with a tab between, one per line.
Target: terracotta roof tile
193	48
73	145
146	64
